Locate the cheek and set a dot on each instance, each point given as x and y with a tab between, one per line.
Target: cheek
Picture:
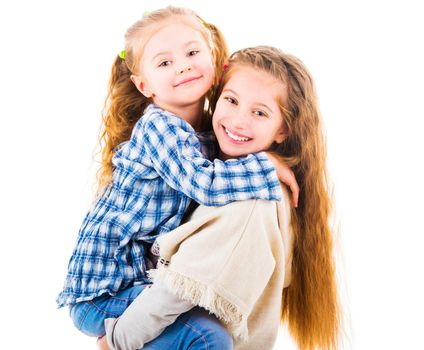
217	117
209	58
215	126
266	138
224	108
209	67
210	73
218	110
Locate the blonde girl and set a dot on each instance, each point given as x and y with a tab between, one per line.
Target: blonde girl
153	167
254	263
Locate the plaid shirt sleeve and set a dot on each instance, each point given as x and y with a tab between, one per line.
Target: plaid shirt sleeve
174	151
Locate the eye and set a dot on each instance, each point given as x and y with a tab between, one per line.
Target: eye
164	64
193	52
230	100
260	113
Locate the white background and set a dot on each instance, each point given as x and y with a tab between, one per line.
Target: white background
367	60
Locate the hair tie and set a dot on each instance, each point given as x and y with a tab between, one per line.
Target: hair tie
123	54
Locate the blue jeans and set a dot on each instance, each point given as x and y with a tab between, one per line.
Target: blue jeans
193	330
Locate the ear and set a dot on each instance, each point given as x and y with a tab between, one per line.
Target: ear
280	136
142	87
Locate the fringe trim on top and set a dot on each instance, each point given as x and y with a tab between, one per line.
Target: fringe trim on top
204	296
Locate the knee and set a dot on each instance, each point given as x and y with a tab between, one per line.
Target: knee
219	338
213	339
86	320
212	334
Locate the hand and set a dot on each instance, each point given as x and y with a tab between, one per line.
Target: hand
285	175
102	343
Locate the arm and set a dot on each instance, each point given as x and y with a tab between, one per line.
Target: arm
286	175
175	155
144	320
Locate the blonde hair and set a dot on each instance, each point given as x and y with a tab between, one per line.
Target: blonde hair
124	104
310	304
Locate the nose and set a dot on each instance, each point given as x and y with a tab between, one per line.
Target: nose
184	65
240	119
184	68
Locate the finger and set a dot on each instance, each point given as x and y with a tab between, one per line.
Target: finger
294	187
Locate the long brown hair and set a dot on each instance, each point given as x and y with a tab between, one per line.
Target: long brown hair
310	304
124	104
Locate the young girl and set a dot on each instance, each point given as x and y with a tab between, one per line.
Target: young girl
253	263
152	164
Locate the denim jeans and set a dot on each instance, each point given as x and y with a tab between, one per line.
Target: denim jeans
193	330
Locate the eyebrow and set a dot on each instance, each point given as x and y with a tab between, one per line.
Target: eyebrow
164	53
265	106
229	90
257	103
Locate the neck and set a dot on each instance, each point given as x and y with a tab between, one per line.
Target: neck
192	113
223	156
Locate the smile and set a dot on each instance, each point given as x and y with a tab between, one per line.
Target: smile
235	137
185	81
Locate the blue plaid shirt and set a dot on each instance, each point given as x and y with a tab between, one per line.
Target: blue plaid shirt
156	175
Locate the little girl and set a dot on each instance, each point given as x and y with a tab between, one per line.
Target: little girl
235	261
152	164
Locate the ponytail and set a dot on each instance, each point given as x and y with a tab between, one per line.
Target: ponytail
124	105
220	51
220	54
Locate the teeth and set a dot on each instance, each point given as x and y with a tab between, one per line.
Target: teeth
235	137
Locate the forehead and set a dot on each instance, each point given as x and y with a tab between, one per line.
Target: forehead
256	84
172	33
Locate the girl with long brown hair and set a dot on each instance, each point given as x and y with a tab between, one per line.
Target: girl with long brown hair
256	263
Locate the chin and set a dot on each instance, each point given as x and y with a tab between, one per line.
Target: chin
233	154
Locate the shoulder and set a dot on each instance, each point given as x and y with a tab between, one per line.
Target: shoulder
151	113
156	118
153	116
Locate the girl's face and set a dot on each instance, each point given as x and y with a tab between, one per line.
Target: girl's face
176	68
247	118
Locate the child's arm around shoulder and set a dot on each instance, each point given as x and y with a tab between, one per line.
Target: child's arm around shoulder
286	175
174	151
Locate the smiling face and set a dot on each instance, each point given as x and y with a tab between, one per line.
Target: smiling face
176	70
247	117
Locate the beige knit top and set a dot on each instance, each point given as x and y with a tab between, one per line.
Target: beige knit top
234	261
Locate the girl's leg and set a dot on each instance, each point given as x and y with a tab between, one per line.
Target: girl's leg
149	314
193	330
89	316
